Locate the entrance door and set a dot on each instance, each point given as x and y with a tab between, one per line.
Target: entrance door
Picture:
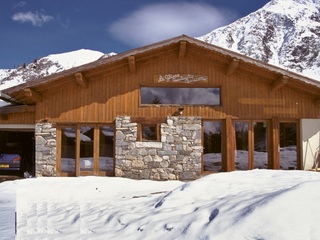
260	144
252	140
86	160
288	145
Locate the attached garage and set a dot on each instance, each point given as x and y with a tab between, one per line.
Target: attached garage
17	149
17	139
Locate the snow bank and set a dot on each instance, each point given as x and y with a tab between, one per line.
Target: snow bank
257	204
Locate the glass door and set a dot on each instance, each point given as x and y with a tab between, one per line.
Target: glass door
86	159
106	153
86	150
260	144
242	145
251	144
288	145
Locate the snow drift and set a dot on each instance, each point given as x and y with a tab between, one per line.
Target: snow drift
257	204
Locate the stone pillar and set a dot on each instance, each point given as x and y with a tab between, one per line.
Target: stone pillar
45	141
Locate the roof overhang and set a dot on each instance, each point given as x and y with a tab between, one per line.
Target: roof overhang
16	109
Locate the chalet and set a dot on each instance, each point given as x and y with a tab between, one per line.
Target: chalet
176	109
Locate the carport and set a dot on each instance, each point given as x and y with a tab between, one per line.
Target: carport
17	140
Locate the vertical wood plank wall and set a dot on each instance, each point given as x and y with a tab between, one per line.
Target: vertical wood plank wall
19	118
243	96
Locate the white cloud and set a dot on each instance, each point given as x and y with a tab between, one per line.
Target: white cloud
156	22
36	19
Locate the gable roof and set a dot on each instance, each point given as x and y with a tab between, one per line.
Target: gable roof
30	92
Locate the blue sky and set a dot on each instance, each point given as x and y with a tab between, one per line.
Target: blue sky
31	29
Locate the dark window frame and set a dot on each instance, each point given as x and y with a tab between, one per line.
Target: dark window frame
141	137
158	101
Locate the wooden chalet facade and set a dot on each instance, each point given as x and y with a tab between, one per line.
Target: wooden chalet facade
176	109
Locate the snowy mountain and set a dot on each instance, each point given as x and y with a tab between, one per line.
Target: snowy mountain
48	65
285	33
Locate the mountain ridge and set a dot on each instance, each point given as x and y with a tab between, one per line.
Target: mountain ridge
283	33
48	65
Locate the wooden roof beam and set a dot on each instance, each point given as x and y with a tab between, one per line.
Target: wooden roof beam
81	80
233	66
29	93
182	49
279	83
132	63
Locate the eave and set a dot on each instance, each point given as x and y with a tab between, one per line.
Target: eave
17	109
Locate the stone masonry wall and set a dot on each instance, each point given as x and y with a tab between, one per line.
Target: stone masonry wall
45	135
176	157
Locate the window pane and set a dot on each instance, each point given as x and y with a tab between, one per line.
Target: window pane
86	148
68	150
288	145
212	146
106	148
242	145
149	132
260	145
180	96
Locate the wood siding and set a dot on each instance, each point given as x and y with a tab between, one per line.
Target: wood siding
243	95
18	118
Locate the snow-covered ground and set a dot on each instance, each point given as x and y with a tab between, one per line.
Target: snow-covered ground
257	204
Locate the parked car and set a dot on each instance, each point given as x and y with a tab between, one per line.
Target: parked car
10	161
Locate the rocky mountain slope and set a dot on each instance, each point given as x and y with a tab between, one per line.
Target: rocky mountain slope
284	33
48	65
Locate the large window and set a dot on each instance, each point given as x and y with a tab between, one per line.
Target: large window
86	150
68	150
106	149
212	153
251	149
242	145
180	96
